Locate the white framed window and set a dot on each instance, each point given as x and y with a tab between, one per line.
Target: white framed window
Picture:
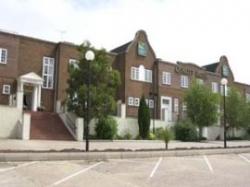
215	87
184	107
134	73
176	105
141	74
74	63
166	78
130	101
3	56
151	103
136	101
48	72
148	75
6	89
184	81
248	97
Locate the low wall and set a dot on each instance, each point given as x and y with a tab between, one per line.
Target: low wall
9	117
130	125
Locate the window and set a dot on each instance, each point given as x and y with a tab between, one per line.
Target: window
74	63
6	89
141	74
184	81
248	97
184	107
215	87
134	73
176	105
130	101
151	103
48	72
148	75
3	56
136	101
166	78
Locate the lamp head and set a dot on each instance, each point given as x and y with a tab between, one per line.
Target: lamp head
224	81
90	55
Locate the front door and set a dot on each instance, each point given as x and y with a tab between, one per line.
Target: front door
27	97
166	110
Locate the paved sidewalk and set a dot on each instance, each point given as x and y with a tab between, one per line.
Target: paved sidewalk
44	145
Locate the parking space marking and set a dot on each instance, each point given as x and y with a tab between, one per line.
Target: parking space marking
156	167
244	158
75	174
208	164
19	166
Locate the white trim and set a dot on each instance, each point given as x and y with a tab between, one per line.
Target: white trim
48	72
184	81
136	101
6	56
130	101
6	89
166	78
170	107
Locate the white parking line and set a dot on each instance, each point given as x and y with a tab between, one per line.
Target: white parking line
244	158
208	164
75	174
156	167
19	166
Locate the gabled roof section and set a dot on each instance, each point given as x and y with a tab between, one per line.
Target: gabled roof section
121	49
211	67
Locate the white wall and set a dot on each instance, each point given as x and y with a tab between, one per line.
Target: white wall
130	125
9	117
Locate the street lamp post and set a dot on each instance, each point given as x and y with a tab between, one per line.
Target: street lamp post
89	56
224	84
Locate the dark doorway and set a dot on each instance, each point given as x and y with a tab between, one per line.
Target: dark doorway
27	101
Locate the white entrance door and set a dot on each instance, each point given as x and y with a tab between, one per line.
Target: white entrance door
166	109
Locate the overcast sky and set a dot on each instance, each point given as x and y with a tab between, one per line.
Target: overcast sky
197	31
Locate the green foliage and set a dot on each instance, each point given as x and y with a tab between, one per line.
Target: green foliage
237	110
106	128
185	131
151	136
158	133
166	136
143	119
103	85
202	106
127	136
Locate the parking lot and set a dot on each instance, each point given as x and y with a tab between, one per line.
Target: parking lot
212	170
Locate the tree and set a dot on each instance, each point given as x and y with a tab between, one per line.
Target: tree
143	119
103	85
202	106
236	110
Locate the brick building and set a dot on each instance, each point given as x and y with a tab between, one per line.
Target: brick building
34	73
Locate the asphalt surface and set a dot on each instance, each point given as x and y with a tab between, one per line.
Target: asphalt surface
204	170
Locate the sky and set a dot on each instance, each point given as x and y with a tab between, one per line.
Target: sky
197	31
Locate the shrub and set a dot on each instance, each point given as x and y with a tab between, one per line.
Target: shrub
151	136
166	136
106	128
127	136
143	119
185	131
158	133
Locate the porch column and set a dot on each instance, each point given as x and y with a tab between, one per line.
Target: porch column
34	98
19	97
39	96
